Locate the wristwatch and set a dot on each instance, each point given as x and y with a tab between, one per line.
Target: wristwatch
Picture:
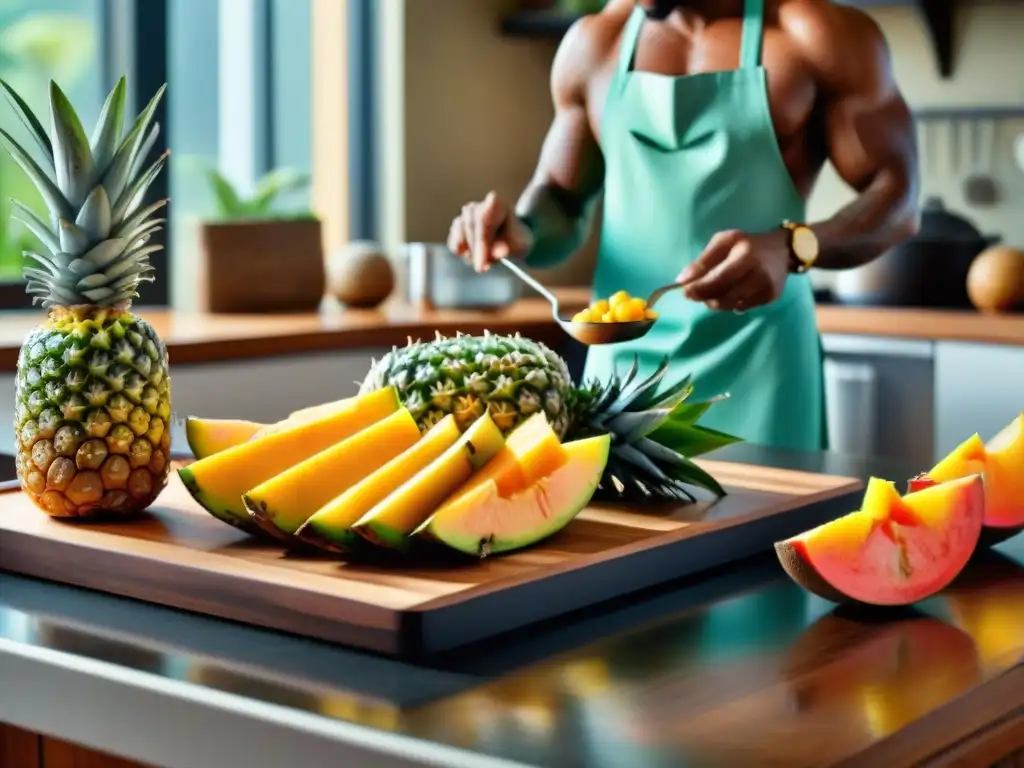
803	246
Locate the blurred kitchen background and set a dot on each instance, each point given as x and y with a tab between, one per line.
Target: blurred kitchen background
378	119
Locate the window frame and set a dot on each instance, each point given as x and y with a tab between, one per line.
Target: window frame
124	22
364	89
147	71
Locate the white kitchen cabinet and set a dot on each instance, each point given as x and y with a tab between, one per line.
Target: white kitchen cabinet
978	388
879	397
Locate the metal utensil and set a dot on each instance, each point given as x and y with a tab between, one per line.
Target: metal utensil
955	145
593	333
590	334
926	142
980	187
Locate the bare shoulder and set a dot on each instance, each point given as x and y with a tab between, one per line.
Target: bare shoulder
586	48
844	45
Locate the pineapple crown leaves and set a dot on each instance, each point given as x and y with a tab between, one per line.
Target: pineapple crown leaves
655	432
96	245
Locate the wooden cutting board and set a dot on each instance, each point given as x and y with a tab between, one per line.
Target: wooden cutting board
178	556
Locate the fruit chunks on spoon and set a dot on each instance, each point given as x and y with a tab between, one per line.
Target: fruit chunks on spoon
620	307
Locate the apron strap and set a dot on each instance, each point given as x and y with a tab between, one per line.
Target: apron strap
627	46
753	30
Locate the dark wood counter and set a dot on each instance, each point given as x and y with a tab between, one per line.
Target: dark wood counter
196	338
929	325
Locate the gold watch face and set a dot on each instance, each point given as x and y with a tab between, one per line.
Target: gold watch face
805	244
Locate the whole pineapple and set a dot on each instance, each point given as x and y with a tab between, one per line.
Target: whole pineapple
92	418
654	434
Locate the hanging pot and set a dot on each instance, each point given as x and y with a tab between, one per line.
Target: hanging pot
927	270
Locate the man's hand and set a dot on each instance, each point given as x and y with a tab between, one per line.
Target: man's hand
737	271
486	232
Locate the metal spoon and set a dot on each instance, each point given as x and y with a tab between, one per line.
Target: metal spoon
592	333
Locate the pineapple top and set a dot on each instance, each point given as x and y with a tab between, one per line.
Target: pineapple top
509	376
96	244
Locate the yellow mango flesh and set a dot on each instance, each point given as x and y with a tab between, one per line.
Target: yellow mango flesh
218	482
209	436
322	409
391	521
1001	463
531	452
620	307
332	523
305	416
287	500
483	521
968	458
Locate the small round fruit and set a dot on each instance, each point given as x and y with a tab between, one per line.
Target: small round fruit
608	317
599	307
995	282
582	316
650	314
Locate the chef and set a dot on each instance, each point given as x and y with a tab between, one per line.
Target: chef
705	124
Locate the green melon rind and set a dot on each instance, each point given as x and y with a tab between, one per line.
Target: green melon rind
215	508
264	519
429	530
384	536
329	538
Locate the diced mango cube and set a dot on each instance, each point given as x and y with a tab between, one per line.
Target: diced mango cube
619	297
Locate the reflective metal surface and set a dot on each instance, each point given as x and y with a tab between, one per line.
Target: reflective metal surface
740	667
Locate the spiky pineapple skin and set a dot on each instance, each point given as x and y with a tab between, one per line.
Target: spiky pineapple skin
510	376
92	417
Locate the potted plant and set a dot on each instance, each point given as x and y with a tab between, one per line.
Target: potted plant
255	259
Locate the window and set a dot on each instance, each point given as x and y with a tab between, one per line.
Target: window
240	98
40	40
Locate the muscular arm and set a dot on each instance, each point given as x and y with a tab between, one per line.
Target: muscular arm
557	204
870	135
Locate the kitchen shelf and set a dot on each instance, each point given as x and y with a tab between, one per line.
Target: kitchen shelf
937	15
969	113
538	24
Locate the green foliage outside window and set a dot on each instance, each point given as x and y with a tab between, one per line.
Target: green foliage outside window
35	47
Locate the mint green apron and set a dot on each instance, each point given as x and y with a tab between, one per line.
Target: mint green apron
687	157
